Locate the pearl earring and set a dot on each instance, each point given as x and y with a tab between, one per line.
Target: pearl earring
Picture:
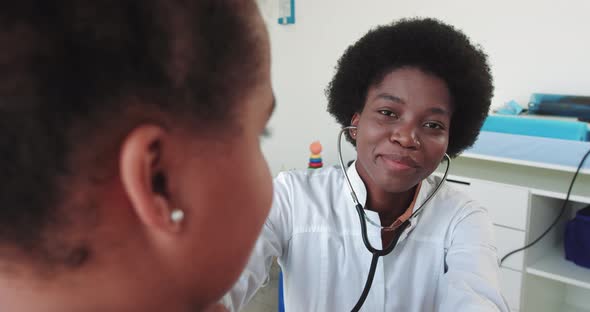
176	215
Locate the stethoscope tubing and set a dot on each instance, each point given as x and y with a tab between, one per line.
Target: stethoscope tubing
363	218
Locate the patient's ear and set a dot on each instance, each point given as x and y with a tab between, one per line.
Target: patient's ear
145	177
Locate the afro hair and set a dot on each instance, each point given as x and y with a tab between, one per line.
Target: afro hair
429	45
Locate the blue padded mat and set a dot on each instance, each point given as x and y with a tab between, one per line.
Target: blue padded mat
529	148
547	128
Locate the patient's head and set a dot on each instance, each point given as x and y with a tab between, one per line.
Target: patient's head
132	177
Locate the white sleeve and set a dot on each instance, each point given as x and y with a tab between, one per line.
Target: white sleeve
270	244
471	282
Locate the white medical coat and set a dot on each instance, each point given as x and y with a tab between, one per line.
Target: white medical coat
314	230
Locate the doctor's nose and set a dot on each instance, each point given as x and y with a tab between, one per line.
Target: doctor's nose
405	136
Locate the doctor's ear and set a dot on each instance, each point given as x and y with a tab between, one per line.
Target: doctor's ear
145	178
354	122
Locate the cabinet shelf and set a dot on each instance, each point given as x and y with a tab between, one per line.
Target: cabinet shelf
554	266
559	195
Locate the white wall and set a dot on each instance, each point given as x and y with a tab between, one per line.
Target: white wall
533	46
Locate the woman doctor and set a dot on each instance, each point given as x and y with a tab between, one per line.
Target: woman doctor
415	90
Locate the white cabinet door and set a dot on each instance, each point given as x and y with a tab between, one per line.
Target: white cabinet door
507	204
510	285
460	183
508	240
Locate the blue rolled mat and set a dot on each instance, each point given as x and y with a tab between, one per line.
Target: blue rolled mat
548	128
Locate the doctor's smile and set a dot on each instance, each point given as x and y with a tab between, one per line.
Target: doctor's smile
396	162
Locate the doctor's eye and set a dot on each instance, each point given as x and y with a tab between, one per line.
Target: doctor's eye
388	113
434	125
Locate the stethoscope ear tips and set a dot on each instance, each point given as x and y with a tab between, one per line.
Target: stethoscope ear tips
352	130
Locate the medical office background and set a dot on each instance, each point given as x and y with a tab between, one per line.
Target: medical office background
533	46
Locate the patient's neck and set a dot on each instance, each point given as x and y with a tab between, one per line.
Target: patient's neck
92	287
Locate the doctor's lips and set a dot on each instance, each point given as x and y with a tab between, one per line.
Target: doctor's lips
399	162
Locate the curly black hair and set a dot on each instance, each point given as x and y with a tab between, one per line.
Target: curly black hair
429	45
68	69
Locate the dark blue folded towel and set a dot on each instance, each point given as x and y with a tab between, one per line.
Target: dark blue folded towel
577	238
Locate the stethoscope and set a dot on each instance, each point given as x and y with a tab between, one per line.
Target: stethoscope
363	219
